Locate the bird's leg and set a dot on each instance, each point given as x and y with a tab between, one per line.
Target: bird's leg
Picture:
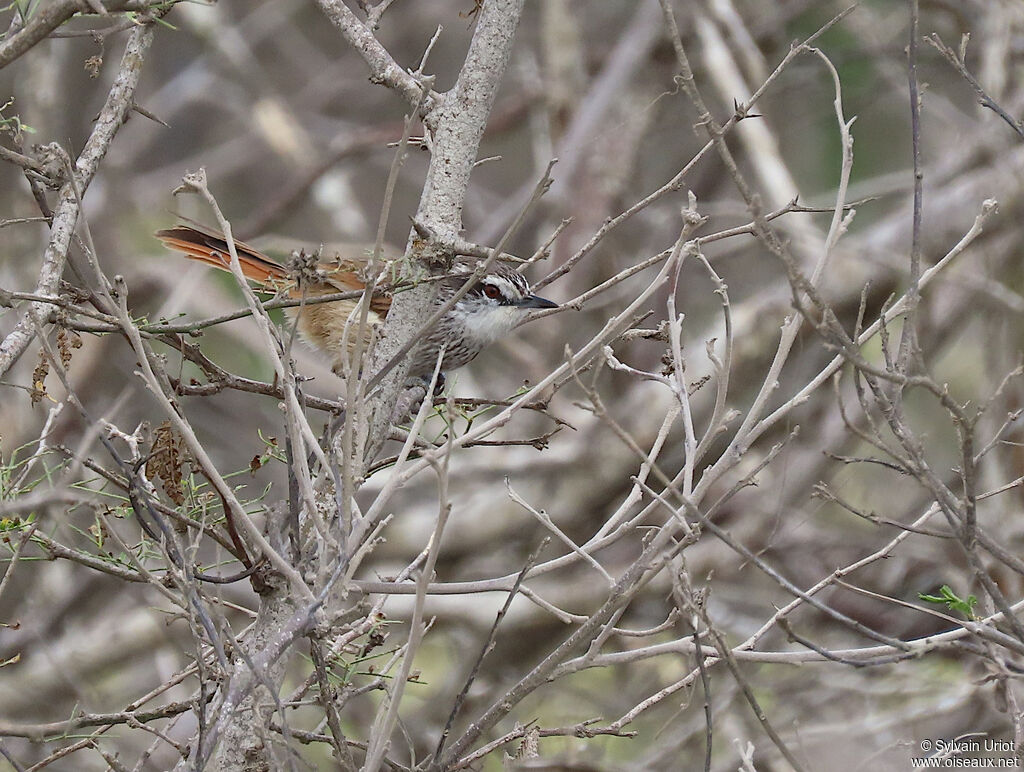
414	391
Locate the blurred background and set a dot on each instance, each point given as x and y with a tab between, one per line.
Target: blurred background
297	144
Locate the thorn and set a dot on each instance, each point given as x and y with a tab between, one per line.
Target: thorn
147	114
741	111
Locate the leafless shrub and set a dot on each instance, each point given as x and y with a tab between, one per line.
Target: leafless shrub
762	431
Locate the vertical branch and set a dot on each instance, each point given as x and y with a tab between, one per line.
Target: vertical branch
908	340
388	713
457	126
116	108
355	382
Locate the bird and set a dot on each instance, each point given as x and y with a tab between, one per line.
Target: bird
494	306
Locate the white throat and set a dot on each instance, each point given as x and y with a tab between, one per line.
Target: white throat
485	325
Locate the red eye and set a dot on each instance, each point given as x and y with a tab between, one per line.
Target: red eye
492	291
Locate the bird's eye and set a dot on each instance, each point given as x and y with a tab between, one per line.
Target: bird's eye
492	291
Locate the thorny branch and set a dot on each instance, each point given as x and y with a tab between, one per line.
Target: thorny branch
711	505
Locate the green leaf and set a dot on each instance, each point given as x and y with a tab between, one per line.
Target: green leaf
952	601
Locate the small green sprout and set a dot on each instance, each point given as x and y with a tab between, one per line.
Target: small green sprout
952	601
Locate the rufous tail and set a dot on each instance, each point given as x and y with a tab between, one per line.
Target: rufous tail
211	248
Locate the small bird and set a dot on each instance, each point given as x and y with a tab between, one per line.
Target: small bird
492	308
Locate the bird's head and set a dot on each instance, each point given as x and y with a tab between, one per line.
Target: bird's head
498	303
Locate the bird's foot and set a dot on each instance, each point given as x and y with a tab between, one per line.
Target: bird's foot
414	391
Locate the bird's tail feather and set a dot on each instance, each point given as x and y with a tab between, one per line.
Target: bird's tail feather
210	247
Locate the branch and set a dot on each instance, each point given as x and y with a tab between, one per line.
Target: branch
115	110
384	69
983	98
46	20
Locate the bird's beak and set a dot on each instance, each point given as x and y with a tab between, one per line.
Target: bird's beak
533	301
